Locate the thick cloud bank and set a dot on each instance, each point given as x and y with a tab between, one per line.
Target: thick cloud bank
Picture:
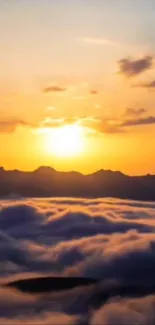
106	239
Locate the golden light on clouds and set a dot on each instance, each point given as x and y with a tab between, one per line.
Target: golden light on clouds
65	141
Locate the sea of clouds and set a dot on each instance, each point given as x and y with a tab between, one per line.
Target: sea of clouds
108	239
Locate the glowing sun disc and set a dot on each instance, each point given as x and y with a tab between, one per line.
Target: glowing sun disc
65	141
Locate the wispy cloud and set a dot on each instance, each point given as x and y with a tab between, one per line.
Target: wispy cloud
137	117
148	85
10	125
135	111
49	122
139	121
133	67
50	89
99	41
94	92
132	117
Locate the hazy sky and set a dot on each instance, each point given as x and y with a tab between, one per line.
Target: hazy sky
78	62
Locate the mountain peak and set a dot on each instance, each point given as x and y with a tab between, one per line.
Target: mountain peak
44	169
108	172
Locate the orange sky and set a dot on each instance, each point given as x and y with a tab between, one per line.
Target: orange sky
82	66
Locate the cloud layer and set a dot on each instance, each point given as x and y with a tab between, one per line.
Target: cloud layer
108	239
131	118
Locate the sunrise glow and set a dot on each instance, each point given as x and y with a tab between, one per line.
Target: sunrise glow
65	141
77	85
77	162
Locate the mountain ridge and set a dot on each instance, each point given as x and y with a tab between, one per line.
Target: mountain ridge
46	181
46	167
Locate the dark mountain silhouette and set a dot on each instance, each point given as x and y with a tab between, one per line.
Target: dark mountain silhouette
46	182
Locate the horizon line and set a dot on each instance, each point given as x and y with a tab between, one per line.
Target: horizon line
74	171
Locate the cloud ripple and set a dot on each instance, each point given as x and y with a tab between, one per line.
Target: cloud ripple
107	239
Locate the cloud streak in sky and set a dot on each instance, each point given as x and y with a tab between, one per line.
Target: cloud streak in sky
131	68
94	92
99	41
10	125
131	118
147	85
134	111
54	89
139	121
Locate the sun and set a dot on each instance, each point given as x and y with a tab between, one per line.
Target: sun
65	141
